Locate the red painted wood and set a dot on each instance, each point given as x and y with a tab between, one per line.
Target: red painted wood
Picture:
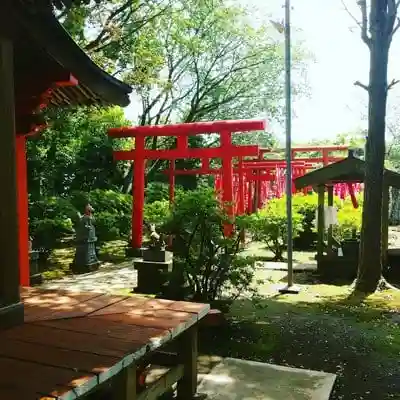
182	131
188	128
22	193
353	197
210	152
171	181
68	82
241	205
138	192
227	178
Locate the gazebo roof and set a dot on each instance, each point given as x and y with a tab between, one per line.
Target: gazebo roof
349	170
43	51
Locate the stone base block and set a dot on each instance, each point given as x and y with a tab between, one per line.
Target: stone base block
134	252
157	255
36	279
152	276
85	268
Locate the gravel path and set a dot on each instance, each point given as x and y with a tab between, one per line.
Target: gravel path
109	278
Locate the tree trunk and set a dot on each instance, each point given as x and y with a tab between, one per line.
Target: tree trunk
370	265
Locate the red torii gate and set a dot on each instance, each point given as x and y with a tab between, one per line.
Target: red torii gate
247	171
226	152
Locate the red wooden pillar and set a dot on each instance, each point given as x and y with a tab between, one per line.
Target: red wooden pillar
325	157
250	197
22	201
241	206
171	178
171	182
138	193
227	172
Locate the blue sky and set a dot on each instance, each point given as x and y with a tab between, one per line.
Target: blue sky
324	27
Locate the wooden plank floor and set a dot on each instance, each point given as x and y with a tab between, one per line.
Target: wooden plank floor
72	342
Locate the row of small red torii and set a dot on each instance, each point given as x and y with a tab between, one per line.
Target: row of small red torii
248	173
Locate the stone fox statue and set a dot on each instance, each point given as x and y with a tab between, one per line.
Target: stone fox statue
156	240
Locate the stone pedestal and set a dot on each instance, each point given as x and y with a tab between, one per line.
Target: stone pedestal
162	256
152	275
134	252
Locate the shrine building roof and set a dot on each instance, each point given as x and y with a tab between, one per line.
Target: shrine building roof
349	170
44	54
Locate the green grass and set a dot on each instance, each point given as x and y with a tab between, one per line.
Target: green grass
321	328
60	260
261	252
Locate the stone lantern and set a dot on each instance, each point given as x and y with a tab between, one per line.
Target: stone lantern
85	259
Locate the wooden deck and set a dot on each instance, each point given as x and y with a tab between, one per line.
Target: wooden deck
72	343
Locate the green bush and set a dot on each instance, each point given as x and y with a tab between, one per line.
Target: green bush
53	218
208	260
112	212
349	221
156	191
157	212
50	220
269	226
159	191
306	205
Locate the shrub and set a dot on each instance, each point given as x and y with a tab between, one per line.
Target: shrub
157	212
209	261
159	191
306	205
349	221
50	220
269	225
112	212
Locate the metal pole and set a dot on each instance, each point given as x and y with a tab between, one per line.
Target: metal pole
288	100
288	97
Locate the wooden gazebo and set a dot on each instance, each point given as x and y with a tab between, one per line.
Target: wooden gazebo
55	344
40	65
349	170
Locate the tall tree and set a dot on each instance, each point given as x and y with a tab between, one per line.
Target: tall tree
378	24
74	153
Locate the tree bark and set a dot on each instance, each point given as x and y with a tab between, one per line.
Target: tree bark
370	265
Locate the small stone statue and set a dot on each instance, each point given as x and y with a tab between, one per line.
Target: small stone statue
85	255
156	240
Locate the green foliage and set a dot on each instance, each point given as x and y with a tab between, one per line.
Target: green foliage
53	218
306	205
189	60
269	225
349	219
207	258
159	191
50	220
156	191
112	212
157	212
75	153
